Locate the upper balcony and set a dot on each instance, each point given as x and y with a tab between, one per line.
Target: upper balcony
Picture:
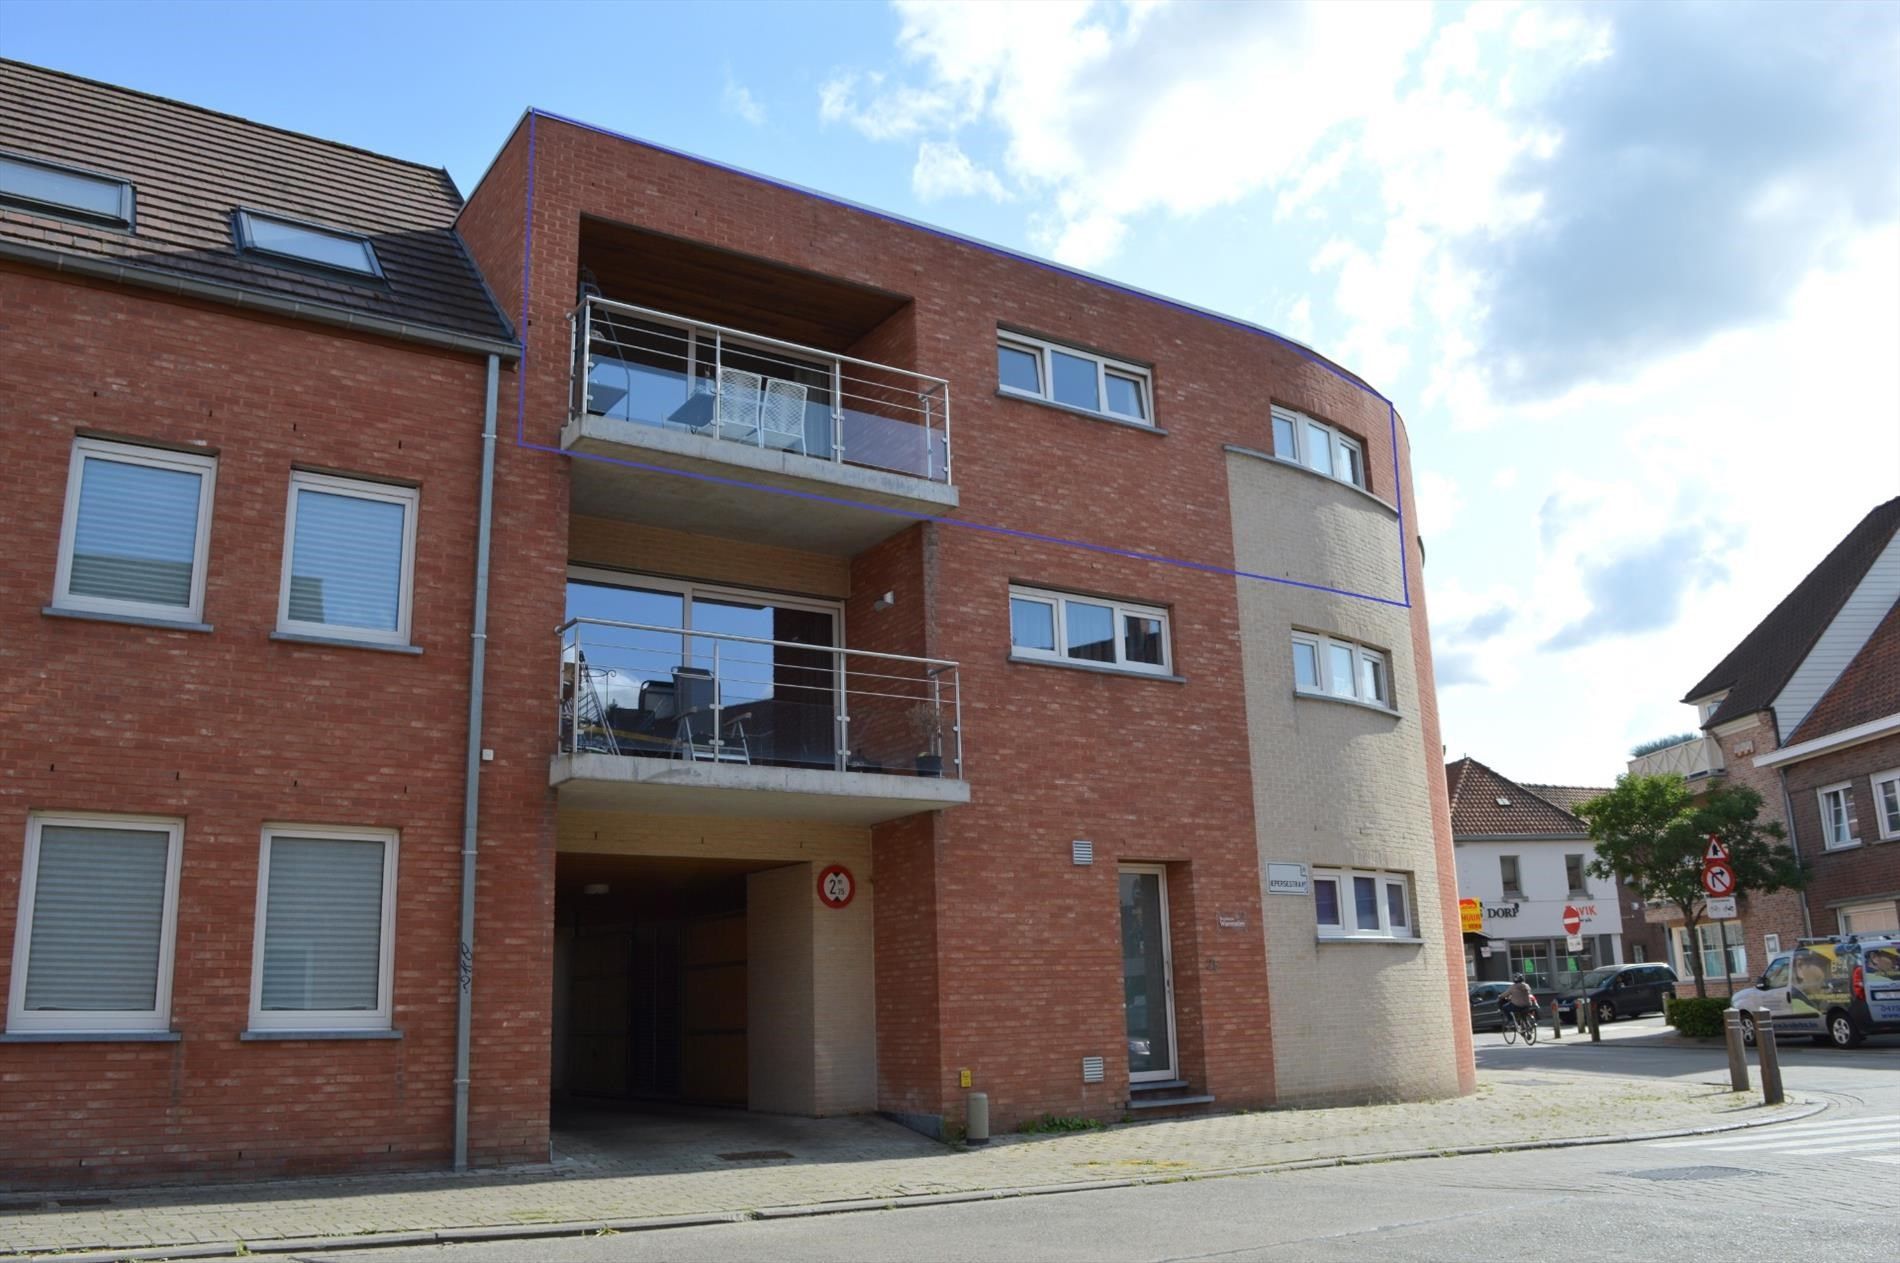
1697	758
734	396
677	721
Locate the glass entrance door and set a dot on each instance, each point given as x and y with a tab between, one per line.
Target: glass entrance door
1147	973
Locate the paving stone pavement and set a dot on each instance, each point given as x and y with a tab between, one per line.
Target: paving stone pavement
624	1165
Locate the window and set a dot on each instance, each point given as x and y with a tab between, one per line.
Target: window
1340	668
325	908
1073	378
1870	918
1360	903
1837	817
308	244
1318	446
1777	975
1713	939
1573	871
98	912
1887	803
50	189
349	556
1771	943
1065	628
1507	873
137	523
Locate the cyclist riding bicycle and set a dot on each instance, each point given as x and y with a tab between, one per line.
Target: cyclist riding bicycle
1517	998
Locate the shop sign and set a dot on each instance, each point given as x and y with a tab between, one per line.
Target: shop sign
1470	916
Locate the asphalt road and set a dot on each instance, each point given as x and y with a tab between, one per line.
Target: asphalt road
1826	1188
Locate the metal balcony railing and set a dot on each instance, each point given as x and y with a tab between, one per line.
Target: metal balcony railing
657	369
651	691
1696	757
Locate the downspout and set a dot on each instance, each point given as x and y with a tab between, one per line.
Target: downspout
1794	845
471	794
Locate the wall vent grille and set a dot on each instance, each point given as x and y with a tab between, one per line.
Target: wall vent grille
1082	851
1092	1070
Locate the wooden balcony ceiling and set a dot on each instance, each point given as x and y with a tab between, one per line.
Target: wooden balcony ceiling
703	282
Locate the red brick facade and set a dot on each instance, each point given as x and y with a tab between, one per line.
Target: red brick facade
1865	873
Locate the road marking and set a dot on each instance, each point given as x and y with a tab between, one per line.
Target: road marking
1775	1132
1845	1137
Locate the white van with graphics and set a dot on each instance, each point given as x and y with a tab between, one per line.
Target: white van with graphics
1839	990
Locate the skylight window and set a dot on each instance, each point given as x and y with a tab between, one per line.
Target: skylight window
43	188
306	244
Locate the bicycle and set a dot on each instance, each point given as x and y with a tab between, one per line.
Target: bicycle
1521	1024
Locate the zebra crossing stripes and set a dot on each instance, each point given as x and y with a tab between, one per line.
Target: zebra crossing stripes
1874	1138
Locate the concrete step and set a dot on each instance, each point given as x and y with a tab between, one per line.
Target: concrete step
1167	1101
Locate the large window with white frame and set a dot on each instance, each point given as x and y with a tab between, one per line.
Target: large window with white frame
136	530
324	943
1074	378
1886	787
1837	816
98	915
349	559
1363	903
1326	666
1318	446
1723	947
1062	627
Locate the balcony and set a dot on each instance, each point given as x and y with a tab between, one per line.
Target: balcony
675	721
1695	759
694	419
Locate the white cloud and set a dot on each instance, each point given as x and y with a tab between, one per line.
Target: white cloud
1440	500
944	170
738	101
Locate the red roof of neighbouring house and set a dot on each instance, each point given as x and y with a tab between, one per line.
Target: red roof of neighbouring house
1756	670
1485	804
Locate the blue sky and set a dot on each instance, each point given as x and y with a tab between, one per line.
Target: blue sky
1632	272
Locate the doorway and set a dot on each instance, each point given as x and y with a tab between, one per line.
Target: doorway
1147	974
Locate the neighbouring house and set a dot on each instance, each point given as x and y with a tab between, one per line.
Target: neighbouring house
1796	711
1524	882
808	754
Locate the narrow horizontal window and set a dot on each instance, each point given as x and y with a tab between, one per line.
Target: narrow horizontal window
1073	377
98	912
322	955
135	532
1341	668
49	188
349	559
329	248
1061	627
1320	447
1380	905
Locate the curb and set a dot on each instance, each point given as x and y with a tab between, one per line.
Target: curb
811	1210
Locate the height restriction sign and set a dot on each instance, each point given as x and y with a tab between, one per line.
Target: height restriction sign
1718	878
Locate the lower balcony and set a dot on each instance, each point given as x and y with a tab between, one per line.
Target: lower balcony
1697	758
674	721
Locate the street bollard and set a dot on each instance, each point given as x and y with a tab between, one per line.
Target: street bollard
1771	1093
1556	1021
1596	1022
978	1131
1737	1056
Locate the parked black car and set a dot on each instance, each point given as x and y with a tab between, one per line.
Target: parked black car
1484	1005
1621	991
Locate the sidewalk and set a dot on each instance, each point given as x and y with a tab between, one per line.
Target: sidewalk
616	1174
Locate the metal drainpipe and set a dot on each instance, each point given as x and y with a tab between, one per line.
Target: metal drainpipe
471	793
1794	844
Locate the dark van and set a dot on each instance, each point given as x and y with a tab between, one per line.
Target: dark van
1621	991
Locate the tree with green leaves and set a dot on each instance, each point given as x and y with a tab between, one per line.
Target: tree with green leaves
1652	832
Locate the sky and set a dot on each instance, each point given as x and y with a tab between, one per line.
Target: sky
1631	272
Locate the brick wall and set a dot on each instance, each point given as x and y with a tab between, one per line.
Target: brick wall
1867	873
228	729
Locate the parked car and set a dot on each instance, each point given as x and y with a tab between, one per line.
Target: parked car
1839	990
1484	1005
1621	991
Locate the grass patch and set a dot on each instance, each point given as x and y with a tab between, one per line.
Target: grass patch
1053	1124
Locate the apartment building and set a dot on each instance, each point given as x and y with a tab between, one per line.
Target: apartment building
911	669
1787	713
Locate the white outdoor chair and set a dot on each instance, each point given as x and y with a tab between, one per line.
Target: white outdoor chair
741	396
782	420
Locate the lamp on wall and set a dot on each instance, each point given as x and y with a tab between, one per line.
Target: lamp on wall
885	602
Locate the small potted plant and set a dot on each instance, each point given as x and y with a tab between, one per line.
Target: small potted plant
927	722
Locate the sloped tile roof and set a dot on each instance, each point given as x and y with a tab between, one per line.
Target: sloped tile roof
1755	671
1868	689
1485	804
193	167
1568	797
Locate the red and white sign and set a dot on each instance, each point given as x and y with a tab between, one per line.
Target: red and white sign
1716	852
1573	921
836	886
1718	878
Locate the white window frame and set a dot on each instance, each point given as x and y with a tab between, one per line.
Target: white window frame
1361	654
1105	368
1734	955
1844	915
1121	610
1349	927
1880	781
362	489
1339	442
1583	872
1509	890
21	1020
205	467
263	1019
243	218
1845	840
